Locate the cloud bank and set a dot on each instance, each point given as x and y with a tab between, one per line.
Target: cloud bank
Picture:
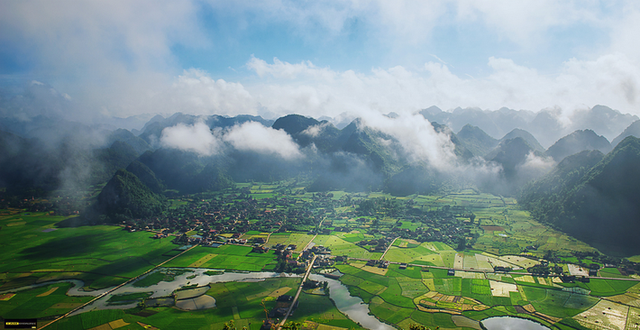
197	138
302	88
250	136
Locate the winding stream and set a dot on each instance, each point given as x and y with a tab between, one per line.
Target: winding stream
351	306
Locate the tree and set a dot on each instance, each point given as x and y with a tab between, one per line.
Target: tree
462	243
229	326
292	326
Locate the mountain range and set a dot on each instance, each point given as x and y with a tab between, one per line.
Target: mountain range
548	125
580	179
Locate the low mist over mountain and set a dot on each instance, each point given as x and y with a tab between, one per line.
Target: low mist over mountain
526	136
182	154
632	130
547	125
476	140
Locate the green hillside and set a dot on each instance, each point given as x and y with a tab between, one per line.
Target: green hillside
125	196
599	203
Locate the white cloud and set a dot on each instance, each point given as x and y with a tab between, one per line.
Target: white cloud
286	70
611	80
252	136
526	22
119	55
314	131
417	137
196	138
196	92
102	52
537	164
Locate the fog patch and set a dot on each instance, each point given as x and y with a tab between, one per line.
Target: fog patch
316	130
534	166
253	136
417	137
196	138
345	171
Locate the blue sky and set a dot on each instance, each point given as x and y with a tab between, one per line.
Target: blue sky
324	57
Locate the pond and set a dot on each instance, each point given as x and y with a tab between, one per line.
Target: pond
509	323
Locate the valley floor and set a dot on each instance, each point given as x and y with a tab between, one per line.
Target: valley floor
377	250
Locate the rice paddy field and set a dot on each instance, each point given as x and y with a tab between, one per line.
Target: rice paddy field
396	295
231	257
341	247
41	302
300	240
36	250
510	229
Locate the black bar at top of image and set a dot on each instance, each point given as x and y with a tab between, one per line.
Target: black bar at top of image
20	323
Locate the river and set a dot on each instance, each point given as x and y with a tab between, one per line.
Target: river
351	306
511	323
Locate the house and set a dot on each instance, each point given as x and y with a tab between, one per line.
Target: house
451	272
285	298
278	312
311	284
501	269
403	266
259	249
294	263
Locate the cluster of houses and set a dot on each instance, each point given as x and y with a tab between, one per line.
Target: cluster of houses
229	213
376	245
380	263
283	303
